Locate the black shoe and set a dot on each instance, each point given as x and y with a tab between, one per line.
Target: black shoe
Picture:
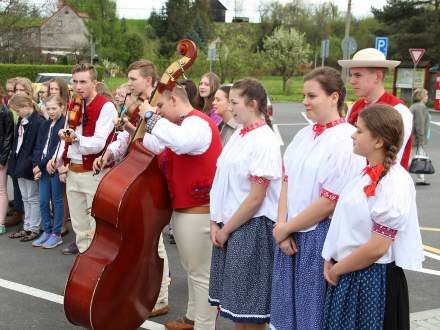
71	249
422	183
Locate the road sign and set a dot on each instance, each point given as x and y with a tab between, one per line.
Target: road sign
382	45
416	54
325	48
212	54
349	46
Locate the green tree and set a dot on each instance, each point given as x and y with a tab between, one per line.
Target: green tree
134	48
287	49
410	24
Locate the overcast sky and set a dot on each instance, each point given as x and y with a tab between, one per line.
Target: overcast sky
248	8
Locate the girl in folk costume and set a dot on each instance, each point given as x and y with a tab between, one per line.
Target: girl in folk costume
50	186
243	210
374	232
318	163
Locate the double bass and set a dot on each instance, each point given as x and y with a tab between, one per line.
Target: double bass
115	283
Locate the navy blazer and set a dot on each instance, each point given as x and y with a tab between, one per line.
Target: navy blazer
20	165
54	139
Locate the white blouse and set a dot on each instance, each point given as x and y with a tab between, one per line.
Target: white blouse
391	212
254	154
320	166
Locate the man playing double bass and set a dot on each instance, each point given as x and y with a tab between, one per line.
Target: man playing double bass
88	140
141	80
189	144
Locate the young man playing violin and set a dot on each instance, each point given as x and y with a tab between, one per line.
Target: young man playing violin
88	140
189	144
141	79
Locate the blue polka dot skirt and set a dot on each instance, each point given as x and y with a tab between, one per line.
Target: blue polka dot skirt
241	273
358	301
298	284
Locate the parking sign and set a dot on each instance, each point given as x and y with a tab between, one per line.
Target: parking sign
382	45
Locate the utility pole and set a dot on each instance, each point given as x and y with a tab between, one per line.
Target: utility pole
346	52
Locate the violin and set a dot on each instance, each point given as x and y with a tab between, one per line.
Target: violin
73	119
73	116
114	284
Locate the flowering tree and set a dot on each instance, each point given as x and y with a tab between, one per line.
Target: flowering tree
286	49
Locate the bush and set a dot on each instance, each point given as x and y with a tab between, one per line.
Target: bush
30	71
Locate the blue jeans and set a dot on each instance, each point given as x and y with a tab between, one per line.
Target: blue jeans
51	189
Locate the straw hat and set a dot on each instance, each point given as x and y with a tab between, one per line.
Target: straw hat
368	58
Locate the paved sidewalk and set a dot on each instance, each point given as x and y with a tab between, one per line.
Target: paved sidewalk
426	320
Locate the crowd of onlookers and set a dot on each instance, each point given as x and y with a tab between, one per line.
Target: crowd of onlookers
31	116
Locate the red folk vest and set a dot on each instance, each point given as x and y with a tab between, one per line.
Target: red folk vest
93	111
391	100
190	177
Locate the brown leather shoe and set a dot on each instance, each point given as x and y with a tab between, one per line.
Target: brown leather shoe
16	218
160	311
180	324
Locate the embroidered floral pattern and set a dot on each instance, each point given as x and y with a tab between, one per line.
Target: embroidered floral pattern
329	195
384	230
257	124
200	190
318	128
260	180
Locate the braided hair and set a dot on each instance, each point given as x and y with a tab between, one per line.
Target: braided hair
385	122
252	89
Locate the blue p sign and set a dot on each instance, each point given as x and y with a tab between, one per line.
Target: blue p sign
382	45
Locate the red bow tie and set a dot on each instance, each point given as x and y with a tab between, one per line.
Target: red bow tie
246	130
318	129
374	173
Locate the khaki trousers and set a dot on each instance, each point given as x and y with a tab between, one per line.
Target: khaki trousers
81	188
192	235
162	300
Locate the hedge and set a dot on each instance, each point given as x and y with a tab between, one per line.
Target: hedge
30	71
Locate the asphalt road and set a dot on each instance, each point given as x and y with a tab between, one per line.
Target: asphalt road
32	280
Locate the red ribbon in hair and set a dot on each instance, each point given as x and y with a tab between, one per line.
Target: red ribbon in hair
374	173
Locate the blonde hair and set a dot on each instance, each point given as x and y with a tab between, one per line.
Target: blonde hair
419	94
21	101
58	99
26	83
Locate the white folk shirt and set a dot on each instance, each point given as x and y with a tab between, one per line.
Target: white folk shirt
192	137
391	212
119	147
254	154
90	145
319	166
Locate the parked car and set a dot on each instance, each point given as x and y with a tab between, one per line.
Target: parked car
44	77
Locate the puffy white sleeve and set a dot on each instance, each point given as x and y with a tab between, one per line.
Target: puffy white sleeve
265	162
391	206
119	147
341	167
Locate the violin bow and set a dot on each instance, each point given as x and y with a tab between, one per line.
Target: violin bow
122	112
